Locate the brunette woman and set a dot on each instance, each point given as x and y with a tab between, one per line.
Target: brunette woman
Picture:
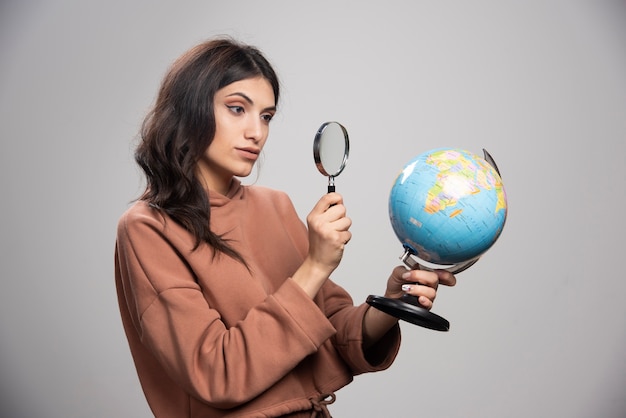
225	294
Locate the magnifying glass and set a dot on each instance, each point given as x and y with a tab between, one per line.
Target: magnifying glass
331	147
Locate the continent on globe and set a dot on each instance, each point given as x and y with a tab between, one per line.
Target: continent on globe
457	177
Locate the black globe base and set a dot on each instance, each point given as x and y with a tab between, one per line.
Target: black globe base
408	309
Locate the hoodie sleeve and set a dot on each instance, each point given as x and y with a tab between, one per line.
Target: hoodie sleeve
223	367
348	321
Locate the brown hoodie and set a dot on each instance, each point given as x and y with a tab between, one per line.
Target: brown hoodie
210	338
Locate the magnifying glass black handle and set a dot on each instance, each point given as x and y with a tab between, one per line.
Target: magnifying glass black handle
331	189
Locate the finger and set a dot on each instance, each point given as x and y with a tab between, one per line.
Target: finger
425	302
327	201
398	273
329	220
425	295
341	224
330	200
446	278
423	277
335	212
419	290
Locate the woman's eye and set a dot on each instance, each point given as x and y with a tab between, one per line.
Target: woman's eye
267	117
235	109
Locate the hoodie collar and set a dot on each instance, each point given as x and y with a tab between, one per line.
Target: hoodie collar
235	192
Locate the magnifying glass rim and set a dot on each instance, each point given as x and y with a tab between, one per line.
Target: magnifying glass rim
316	149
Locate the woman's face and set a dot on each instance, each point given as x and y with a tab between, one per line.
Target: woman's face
243	111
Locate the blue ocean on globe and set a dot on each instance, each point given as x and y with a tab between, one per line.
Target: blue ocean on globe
448	206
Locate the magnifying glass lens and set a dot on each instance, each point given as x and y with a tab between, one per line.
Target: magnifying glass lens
331	147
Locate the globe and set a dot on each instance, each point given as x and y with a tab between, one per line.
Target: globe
448	206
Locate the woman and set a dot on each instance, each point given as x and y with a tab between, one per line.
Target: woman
224	293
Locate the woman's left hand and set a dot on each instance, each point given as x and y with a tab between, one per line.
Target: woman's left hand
403	281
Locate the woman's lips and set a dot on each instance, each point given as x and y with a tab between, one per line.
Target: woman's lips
249	153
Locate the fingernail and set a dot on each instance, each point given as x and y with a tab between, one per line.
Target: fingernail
406	275
406	287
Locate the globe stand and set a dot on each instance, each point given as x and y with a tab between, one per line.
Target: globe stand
407	308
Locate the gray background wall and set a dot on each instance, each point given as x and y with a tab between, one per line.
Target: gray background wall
538	325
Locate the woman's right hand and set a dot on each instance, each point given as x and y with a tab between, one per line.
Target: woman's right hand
329	232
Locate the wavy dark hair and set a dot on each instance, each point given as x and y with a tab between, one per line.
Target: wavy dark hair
181	125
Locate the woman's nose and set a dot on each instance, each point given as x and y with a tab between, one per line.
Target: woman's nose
254	129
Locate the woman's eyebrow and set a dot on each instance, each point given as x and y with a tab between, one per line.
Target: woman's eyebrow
243	95
249	100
